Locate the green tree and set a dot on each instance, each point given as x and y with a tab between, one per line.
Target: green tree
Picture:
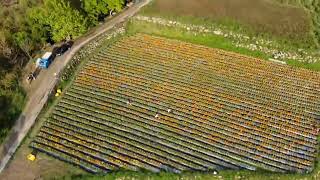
5	49
22	40
57	19
16	40
115	5
9	80
96	8
93	9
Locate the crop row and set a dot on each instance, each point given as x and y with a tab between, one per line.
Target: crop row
87	111
150	103
96	102
100	79
228	126
216	91
249	91
252	81
192	49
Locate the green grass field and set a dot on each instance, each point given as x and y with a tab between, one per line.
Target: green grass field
209	40
288	25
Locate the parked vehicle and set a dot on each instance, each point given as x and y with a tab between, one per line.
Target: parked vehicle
45	61
58	51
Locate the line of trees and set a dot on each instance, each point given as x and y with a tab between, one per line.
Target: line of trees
25	27
28	25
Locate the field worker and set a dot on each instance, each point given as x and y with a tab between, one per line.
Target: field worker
129	102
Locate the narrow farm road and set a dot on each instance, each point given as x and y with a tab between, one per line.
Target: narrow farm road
42	88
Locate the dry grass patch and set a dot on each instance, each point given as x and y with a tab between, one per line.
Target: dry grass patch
260	15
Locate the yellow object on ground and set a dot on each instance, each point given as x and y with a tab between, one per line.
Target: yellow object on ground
59	91
57	94
31	157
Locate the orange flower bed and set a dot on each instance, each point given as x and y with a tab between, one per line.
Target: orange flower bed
152	103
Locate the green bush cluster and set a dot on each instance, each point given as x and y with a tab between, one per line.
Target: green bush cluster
11	100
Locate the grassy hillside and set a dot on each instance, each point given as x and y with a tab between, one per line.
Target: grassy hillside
290	24
210	40
313	6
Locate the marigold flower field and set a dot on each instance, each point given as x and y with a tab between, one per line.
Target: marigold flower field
152	103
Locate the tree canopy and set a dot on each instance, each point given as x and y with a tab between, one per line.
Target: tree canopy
57	19
96	8
25	27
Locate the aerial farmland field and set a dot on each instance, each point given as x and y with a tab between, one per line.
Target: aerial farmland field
152	103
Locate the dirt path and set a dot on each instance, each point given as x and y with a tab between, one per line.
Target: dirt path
42	87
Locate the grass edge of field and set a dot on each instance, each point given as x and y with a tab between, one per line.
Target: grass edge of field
209	40
229	24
